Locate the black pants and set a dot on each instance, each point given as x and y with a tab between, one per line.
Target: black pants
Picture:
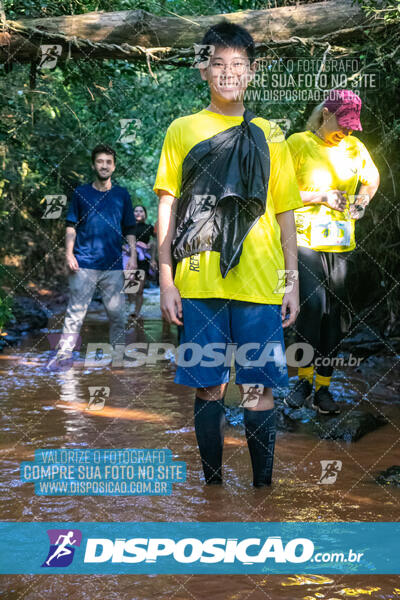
324	304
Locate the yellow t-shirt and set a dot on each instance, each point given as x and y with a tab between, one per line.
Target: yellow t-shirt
255	278
320	168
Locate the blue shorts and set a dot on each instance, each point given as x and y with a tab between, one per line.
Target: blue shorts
215	329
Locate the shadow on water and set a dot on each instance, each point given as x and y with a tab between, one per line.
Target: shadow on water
145	409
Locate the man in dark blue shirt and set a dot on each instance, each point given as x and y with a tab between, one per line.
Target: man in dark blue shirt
99	219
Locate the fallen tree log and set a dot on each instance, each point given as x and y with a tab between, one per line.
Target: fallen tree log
137	34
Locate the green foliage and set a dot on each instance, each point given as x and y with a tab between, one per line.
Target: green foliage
6	301
388	10
5	311
22	9
46	135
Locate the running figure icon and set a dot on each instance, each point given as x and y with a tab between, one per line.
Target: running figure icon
62	549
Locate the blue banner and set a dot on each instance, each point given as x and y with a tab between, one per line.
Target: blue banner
200	548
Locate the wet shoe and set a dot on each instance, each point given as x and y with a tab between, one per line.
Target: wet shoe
299	395
324	403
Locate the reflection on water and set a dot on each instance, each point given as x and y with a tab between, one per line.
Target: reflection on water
307	580
42	409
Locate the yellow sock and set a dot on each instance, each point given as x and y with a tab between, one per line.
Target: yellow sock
320	380
306	373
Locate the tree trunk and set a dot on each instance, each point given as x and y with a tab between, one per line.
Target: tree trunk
130	34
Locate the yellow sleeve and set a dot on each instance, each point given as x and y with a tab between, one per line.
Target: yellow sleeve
295	144
369	171
283	183
169	173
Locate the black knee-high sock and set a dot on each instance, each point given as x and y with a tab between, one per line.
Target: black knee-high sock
209	423
260	428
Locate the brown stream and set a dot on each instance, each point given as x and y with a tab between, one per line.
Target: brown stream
42	409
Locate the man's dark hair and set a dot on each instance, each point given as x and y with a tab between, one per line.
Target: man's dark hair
103	148
229	35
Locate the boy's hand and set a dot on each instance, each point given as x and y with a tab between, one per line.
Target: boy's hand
72	263
290	307
171	305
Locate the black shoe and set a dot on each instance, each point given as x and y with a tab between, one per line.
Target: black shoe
324	403
300	394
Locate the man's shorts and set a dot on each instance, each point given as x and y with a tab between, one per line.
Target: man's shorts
215	329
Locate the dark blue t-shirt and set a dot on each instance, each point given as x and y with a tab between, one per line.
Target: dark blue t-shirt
101	219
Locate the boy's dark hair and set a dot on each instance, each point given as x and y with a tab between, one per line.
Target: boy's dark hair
229	35
103	148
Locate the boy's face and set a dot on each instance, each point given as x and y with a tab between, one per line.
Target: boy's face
228	74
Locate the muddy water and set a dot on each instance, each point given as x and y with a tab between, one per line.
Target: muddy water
41	409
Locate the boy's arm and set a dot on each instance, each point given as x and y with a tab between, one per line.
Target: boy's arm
290	301
171	303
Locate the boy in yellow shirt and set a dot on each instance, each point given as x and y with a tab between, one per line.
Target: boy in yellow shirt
226	232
